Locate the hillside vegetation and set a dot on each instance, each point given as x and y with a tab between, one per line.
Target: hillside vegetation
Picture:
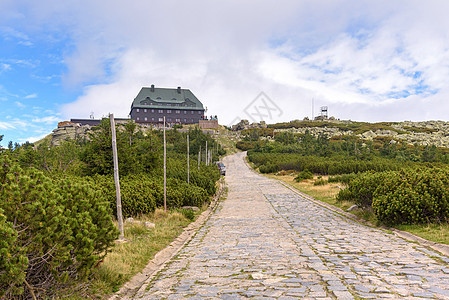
58	203
400	182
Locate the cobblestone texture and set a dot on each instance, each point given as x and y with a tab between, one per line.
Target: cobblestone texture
265	241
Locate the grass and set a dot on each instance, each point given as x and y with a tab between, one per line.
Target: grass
127	259
326	193
227	139
438	233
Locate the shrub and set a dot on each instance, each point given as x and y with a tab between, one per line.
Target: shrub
361	189
320	182
413	197
12	263
344	178
306	174
59	232
180	193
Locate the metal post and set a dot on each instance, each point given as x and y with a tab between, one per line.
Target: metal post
188	153
165	172
206	154
116	178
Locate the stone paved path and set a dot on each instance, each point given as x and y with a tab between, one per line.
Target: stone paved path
265	241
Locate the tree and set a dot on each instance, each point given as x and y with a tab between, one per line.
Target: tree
130	128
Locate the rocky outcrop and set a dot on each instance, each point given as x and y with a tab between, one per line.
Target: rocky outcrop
244	124
414	133
69	131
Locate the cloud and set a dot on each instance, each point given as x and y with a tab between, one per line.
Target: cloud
6	125
33	139
47	120
31	96
365	60
20	104
4	67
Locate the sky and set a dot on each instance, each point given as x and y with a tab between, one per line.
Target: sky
258	60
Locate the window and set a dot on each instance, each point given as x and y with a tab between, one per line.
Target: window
160	111
137	110
199	112
178	111
169	120
137	118
161	119
168	111
145	110
178	120
192	112
152	119
185	112
146	119
152	110
185	120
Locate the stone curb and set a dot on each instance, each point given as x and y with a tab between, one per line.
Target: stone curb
136	286
442	248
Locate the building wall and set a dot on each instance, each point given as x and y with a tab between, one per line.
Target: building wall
212	124
150	115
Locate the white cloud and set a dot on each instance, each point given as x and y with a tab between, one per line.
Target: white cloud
6	125
33	139
47	120
31	96
20	104
366	60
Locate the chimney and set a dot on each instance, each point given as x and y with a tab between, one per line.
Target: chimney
179	90
152	88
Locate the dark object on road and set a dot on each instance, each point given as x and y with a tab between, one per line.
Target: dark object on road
222	168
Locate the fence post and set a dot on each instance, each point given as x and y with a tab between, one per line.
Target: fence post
165	172
116	178
188	153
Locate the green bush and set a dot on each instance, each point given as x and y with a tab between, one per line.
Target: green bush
304	175
12	262
59	232
320	182
180	193
344	178
361	189
413	197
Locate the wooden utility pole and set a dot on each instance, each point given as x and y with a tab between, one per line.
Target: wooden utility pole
206	155
165	172
116	178
199	158
188	153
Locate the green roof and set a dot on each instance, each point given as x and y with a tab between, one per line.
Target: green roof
152	97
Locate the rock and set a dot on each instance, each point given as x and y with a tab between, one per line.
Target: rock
353	207
194	208
369	135
129	221
149	224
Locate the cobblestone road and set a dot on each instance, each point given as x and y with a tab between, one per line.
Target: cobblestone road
265	241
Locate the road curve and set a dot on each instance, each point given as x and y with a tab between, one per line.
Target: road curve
264	241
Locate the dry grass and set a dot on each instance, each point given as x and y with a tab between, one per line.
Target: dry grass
127	259
325	193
